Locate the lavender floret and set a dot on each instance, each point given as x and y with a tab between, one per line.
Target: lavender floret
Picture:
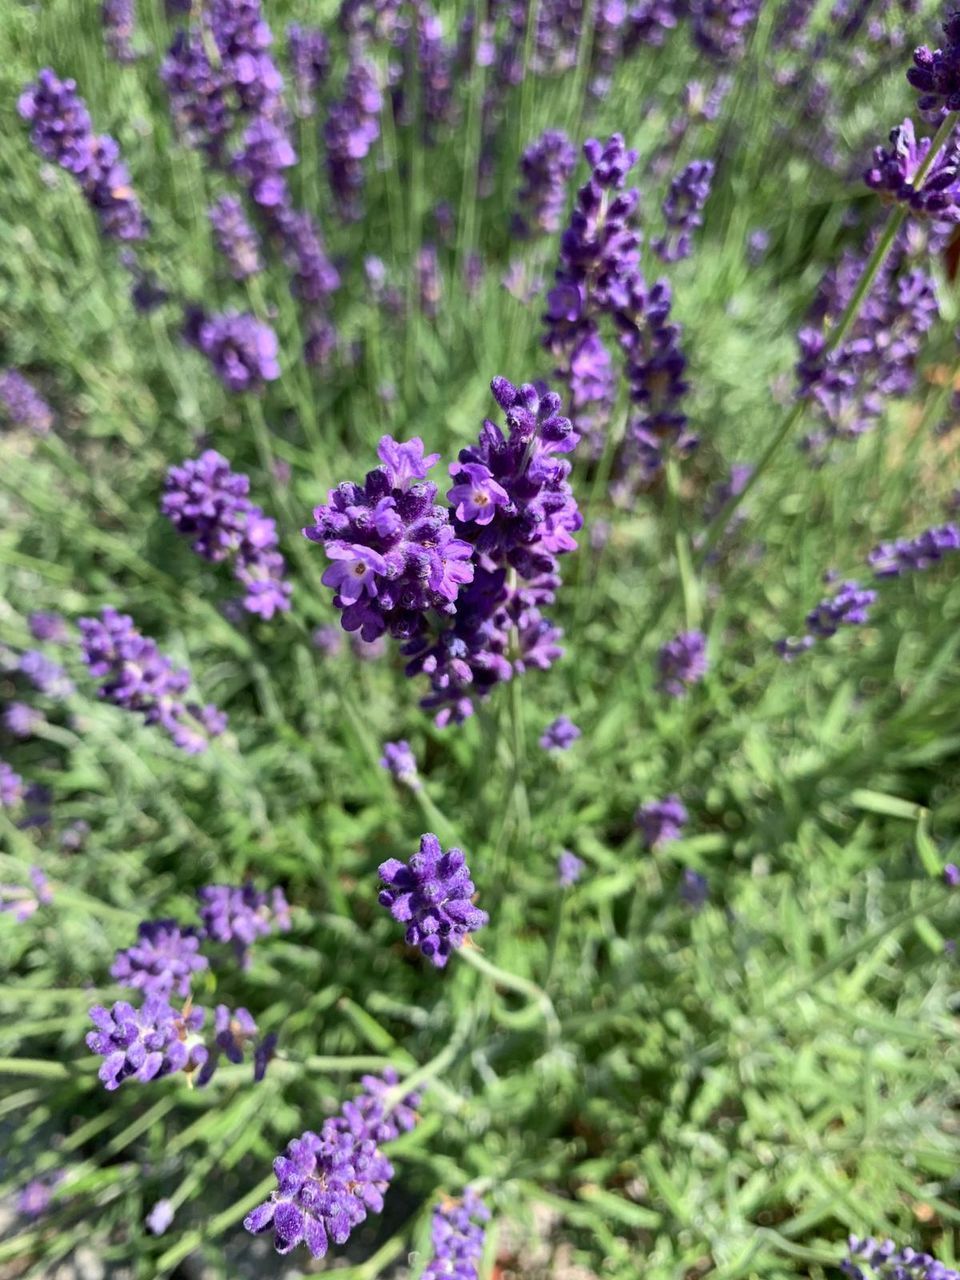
162	961
560	735
661	821
457	1238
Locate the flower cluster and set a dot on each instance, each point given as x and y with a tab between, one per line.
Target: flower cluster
399	761
545	168
327	1182
208	503
143	1044
21	720
11	786
63	132
431	895
19	902
721	28
241	349
569	868
309	51
849	606
457	1238
22	405
351	129
48	626
137	677
894	173
683	210
560	735
682	662
46	676
119	24
394	551
35	1198
936	72
661	821
163	960
909	555
235	238
239	916
886	1262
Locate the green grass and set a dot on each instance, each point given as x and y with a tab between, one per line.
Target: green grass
730	1091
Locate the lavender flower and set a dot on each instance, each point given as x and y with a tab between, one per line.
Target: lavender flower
147	1043
242	350
119	23
394	552
241	915
11	787
560	735
137	677
569	868
399	761
429	283
47	676
910	555
48	626
21	720
327	1182
163	960
22	404
545	167
894	173
936	72
682	662
457	1238
234	1029
266	152
792	647
208	503
648	23
721	28
23	903
431	896
315	277
310	64
694	889
351	129
236	239
683	210
849	606
159	1218
34	1200
951	875
886	1262
661	821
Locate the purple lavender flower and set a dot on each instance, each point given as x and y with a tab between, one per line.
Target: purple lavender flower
849	606
22	720
159	1218
137	677
11	787
661	821
792	647
457	1238
242	350
936	72
328	639
34	1200
545	167
351	129
22	404
310	64
394	552
315	277
682	662
327	1182
266	152
893	173
240	915
208	503
721	28
234	1030
648	23
951	875
683	210
163	960
47	676
20	902
569	868
236	239
694	889
400	762
119	24
48	626
147	1043
431	895
887	1262
560	735
429	283
911	555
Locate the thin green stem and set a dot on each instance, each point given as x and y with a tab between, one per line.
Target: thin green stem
436	1066
523	986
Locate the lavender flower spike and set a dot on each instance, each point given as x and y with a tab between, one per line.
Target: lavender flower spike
11	786
457	1238
682	662
560	735
569	869
936	72
683	210
887	1262
399	761
243	351
22	404
910	555
849	606
241	915
162	961
545	167
893	174
431	895
146	1043
235	238
661	821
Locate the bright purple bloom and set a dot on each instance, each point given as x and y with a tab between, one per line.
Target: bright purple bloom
849	606
208	503
351	129
936	72
142	1044
22	405
545	167
119	24
327	1182
309	51
48	626
22	720
395	555
243	351
159	1218
560	735
431	895
893	173
11	787
457	1238
683	210
162	961
478	495
236	239
138	677
682	662
569	868
240	915
887	1262
951	875
400	762
910	555
661	821
34	1200
47	676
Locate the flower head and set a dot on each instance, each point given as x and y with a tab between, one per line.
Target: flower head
457	1237
682	662
569	868
399	761
22	405
560	735
661	821
431	895
162	961
240	915
141	1044
242	350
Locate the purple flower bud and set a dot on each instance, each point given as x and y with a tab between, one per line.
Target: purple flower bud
431	895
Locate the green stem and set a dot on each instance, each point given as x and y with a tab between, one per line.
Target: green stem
688	578
436	1066
834	338
36	1068
523	986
